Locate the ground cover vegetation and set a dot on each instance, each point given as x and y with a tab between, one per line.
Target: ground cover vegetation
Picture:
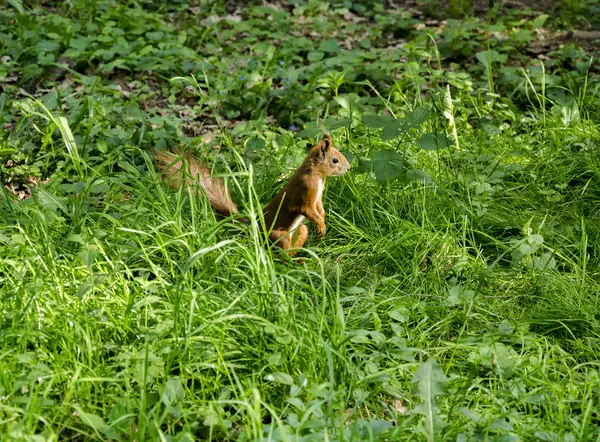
454	297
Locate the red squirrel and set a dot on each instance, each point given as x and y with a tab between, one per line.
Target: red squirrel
300	198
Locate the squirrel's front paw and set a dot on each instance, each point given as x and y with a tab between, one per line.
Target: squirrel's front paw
321	231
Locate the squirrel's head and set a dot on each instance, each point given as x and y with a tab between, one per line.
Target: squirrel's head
328	161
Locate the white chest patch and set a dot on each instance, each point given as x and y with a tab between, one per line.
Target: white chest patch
320	190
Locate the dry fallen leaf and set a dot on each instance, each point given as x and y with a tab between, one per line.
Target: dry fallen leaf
399	407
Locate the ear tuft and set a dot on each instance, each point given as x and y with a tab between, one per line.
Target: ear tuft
327	142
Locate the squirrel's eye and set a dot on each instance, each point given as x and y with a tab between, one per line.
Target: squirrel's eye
335	160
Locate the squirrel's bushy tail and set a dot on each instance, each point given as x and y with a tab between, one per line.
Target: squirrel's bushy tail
171	166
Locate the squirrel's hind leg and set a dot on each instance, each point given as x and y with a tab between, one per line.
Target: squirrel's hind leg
299	239
281	239
289	243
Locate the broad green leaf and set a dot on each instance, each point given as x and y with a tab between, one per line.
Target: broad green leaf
482	56
133	112
547	436
96	423
72	53
535	239
119	63
539	21
432	141
453	293
392	130
387	165
292	75
343	102
99	186
18	239
502	424
315	56
284	339
148	300
418	175
119	416
418	116
88	255
255	144
276	359
348	154
310	132
92	420
413	68
211	418
361	395
470	414
329	46
73	237
494	56
173	392
280	378
400	314
50	201
77	187
156	35
457	294
430	380
544	262
522	36
80	43
355	290
46	46
360	337
334	123
497	356
270	53
18	5
84	288
373	429
376	121
364	165
570	114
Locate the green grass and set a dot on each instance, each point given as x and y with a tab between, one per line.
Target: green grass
454	297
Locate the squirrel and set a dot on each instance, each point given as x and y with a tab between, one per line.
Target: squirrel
301	198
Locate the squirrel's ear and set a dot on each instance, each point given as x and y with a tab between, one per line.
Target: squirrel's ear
325	143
